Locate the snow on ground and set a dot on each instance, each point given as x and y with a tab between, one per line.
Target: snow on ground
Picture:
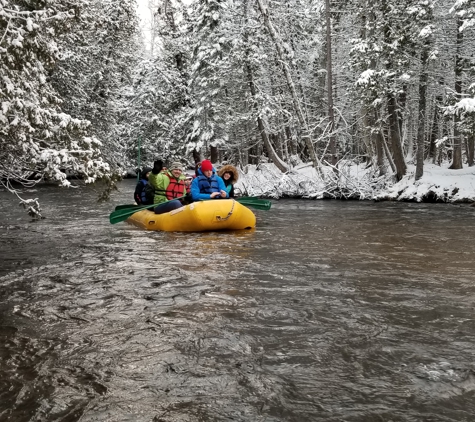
438	184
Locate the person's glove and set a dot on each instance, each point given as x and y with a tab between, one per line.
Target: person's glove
157	166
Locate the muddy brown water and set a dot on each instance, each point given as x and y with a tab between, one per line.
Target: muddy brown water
328	311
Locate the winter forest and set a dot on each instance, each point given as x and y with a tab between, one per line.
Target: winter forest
275	85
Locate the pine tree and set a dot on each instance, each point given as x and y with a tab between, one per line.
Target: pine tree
38	140
98	58
206	80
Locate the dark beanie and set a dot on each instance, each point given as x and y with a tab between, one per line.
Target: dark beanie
144	172
206	165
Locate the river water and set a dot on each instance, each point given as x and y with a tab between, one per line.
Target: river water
327	311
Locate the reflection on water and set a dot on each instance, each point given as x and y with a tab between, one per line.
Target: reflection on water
328	311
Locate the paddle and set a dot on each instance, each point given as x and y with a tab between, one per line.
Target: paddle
260	204
250	201
122	214
124	207
249	197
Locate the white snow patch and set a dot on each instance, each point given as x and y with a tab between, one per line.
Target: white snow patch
358	180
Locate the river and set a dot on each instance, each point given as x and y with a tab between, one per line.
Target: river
327	311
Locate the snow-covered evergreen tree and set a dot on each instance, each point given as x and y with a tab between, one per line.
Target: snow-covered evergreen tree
97	59
385	53
209	61
159	99
465	9
38	139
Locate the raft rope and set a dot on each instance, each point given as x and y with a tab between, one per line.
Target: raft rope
219	218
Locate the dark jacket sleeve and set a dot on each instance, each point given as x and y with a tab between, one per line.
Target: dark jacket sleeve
138	192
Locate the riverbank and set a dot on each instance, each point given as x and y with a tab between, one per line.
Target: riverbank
438	184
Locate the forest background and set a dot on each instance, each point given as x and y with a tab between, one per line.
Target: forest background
310	98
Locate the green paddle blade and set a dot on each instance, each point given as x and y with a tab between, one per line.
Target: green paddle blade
124	207
122	214
259	204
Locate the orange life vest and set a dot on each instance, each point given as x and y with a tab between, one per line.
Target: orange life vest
176	188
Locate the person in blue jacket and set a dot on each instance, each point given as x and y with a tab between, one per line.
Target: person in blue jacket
139	194
207	185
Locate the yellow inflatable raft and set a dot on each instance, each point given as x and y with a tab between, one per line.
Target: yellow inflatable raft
218	214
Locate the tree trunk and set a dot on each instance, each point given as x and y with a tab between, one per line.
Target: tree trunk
331	114
214	154
422	115
395	135
401	101
386	150
291	141
284	146
434	131
366	137
196	156
457	155
376	139
470	147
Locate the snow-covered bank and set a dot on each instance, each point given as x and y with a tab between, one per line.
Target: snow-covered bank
438	184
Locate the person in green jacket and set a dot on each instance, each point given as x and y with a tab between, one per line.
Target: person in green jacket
169	186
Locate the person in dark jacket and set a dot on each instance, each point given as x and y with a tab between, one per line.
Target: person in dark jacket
230	176
139	194
208	185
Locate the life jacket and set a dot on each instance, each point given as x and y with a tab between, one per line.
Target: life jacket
175	189
208	185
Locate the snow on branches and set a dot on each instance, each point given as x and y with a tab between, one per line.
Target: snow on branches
38	141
